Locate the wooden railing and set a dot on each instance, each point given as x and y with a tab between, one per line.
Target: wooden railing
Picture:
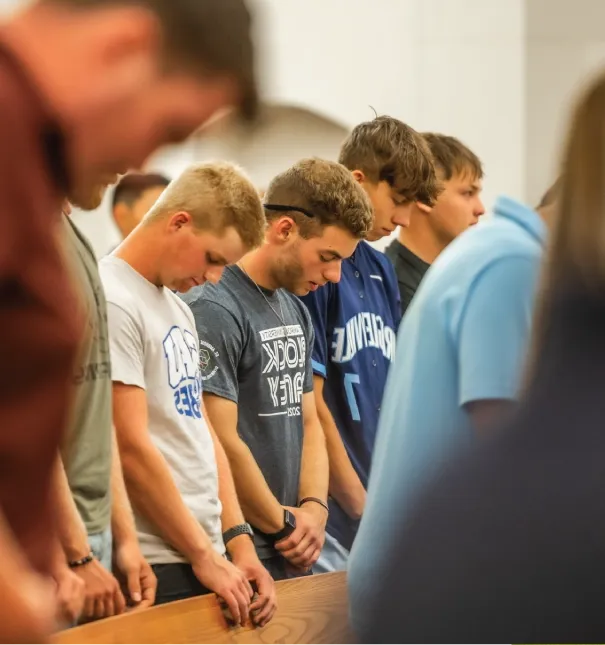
312	609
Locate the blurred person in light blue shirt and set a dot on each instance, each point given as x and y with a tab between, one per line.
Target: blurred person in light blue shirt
460	354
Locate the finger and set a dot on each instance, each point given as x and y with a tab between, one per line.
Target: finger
119	602
306	559
233	606
261	610
291	541
244	604
314	558
99	608
134	585
110	608
89	607
269	612
149	585
300	549
247	588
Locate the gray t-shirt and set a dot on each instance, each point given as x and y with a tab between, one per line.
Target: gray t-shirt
86	449
154	346
248	356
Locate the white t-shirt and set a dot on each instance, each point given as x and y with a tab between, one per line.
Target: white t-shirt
154	345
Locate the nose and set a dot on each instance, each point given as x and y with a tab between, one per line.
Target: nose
401	216
214	274
334	272
480	209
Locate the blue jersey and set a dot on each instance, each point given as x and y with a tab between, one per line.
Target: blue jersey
355	324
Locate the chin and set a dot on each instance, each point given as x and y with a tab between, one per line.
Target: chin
374	236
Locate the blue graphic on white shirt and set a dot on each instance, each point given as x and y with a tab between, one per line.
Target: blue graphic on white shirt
184	376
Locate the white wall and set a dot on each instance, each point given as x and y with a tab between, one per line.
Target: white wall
565	46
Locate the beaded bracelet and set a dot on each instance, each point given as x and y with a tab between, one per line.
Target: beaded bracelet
85	560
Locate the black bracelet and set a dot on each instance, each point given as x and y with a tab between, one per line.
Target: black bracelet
313	499
85	560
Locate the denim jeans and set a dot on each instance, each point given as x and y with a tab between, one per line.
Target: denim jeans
101	545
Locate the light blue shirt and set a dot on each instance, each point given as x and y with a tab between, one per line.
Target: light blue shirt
463	339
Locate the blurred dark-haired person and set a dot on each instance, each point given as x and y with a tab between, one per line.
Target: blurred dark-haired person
433	227
134	194
457	372
86	87
256	342
356	320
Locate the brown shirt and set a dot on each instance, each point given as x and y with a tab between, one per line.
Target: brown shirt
38	329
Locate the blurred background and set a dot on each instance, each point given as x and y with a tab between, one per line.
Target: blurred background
497	74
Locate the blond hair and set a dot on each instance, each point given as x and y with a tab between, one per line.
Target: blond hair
386	149
326	191
217	196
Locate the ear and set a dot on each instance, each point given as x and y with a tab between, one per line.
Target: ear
282	230
359	176
178	221
424	208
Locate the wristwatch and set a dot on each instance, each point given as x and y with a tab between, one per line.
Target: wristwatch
240	529
289	526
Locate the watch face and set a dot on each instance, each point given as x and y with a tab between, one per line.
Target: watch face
290	519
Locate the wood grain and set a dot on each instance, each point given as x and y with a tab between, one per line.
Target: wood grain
313	609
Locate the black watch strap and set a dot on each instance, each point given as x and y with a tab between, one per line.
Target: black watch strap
289	526
240	529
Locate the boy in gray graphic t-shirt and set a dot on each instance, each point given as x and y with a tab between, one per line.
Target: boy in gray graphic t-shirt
256	340
249	356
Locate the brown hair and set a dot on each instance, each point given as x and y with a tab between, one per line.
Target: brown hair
217	196
452	157
211	36
576	254
321	193
385	149
132	185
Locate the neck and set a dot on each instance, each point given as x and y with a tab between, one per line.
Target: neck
421	240
257	265
142	250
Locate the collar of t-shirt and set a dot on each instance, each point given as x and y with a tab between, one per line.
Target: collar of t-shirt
408	257
524	216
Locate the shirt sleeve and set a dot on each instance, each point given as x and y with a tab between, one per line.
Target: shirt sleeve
221	345
494	330
126	347
317	303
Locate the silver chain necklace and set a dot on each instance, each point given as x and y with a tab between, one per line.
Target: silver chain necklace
281	311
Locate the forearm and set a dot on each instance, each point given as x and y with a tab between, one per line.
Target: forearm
344	483
154	494
71	530
314	473
22	613
122	520
259	505
232	514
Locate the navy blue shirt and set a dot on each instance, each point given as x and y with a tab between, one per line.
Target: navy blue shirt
355	325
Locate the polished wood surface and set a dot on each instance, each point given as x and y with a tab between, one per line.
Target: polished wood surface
310	610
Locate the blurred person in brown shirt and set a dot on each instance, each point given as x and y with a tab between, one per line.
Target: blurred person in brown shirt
86	87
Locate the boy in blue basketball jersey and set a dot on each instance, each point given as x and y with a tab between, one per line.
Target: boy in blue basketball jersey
356	320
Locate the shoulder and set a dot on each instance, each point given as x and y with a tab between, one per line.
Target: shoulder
299	306
214	309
